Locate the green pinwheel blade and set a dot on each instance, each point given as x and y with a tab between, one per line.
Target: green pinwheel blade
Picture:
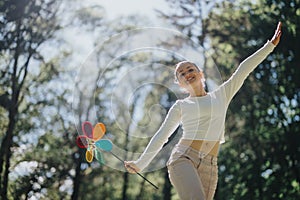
99	157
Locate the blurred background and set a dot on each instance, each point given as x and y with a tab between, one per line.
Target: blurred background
64	62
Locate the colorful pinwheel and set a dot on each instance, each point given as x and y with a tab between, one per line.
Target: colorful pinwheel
91	140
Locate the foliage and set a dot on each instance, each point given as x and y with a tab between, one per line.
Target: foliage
39	159
260	159
267	104
25	26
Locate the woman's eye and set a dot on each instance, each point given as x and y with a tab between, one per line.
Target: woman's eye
191	70
182	74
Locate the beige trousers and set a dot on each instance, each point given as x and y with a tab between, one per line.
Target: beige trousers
193	173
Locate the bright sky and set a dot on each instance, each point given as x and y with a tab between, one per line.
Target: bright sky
114	9
126	7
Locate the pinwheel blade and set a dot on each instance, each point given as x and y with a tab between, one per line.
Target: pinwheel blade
87	129
99	131
89	155
82	141
104	144
99	157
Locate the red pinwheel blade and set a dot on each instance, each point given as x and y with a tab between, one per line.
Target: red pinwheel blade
82	141
87	129
99	131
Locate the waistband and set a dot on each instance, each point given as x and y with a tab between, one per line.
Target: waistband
209	147
185	149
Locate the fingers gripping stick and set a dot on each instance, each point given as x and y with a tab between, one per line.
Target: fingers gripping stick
136	171
108	147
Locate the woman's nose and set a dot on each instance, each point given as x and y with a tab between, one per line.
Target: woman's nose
187	75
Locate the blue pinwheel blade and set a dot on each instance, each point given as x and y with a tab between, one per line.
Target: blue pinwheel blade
104	144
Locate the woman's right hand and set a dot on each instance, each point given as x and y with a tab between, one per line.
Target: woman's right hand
131	167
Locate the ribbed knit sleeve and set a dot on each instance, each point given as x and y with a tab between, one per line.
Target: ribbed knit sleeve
167	128
234	83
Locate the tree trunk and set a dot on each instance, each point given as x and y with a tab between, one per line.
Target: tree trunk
167	186
5	152
125	176
5	155
125	186
77	178
6	172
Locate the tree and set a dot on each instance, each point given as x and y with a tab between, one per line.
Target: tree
261	124
270	99
90	95
25	26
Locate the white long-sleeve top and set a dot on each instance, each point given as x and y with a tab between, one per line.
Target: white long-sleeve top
203	118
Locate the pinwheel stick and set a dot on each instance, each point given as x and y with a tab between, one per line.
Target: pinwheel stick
134	170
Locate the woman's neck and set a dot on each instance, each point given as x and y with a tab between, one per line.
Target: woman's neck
198	92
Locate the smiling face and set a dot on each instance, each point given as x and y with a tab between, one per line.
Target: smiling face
189	76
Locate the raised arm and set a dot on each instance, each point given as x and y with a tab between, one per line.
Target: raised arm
234	83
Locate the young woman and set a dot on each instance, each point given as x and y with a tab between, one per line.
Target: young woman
192	166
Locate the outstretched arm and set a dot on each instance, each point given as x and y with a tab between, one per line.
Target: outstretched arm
234	83
167	128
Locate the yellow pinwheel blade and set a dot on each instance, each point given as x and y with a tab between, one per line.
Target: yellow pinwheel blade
89	155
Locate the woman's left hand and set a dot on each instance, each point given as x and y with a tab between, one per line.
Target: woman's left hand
276	37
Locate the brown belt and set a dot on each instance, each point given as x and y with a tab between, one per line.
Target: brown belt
210	147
